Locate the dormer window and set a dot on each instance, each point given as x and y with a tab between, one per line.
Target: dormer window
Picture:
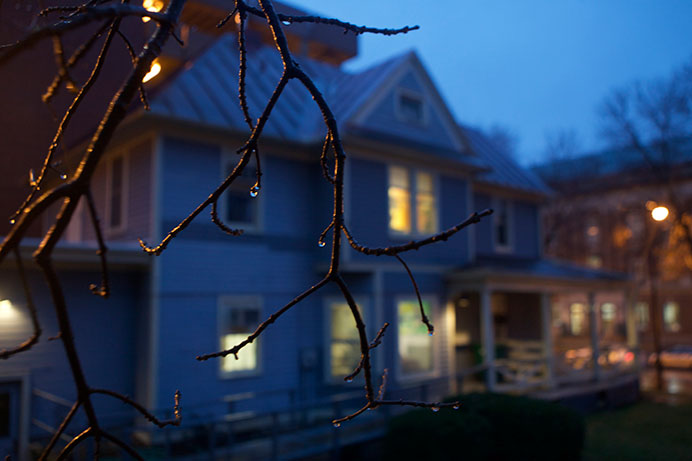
410	107
502	225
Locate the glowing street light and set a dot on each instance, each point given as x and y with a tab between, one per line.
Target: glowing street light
659	213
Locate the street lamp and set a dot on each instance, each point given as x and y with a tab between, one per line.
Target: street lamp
659	213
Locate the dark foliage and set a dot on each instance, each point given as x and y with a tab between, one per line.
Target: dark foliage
488	427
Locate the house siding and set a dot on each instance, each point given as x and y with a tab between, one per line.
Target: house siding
104	334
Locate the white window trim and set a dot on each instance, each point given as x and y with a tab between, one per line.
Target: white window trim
401	91
227	302
110	230
509	247
413	194
365	313
229	157
436	347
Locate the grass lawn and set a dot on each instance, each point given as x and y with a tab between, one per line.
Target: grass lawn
644	431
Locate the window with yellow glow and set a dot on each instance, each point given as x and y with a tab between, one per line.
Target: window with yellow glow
344	346
641	314
239	316
399	200
577	318
415	343
426	211
407	192
608	318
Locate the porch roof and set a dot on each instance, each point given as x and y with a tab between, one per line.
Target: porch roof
533	272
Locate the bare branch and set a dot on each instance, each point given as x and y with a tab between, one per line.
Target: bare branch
423	317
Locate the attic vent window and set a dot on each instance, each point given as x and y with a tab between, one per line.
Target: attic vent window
410	108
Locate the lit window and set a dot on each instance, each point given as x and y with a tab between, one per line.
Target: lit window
671	316
415	343
344	348
239	316
399	200
116	193
410	108
577	318
641	312
402	201
501	224
608	314
426	211
241	207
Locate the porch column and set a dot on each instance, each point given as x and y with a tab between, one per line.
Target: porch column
593	330
631	321
488	337
547	331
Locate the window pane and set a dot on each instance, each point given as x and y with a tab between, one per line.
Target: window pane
426	210
501	222
239	317
247	357
399	200
344	350
671	316
577	317
415	344
240	206
411	108
641	312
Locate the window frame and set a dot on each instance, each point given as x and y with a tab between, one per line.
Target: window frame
124	196
365	312
401	116
412	173
434	308
225	303
229	158
509	246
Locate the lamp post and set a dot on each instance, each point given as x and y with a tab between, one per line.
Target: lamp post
658	213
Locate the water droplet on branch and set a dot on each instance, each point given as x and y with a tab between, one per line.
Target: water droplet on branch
435	409
321	243
254	191
337	424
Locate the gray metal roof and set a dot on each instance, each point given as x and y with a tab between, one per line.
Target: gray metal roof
206	91
504	171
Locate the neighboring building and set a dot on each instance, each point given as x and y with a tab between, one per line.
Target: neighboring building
600	217
500	309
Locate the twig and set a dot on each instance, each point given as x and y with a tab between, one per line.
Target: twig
104	289
423	317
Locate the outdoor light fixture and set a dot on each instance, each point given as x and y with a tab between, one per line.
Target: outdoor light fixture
659	213
151	5
153	71
7	310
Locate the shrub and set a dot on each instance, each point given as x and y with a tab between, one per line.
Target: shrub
488	427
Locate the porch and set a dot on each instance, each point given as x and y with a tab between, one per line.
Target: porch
542	328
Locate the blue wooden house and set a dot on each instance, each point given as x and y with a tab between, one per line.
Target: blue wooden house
498	306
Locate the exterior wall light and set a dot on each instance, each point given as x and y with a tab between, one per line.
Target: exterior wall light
153	71
659	213
7	310
151	5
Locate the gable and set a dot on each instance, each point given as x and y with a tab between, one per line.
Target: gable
407	105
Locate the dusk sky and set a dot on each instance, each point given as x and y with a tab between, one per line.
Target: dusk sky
532	66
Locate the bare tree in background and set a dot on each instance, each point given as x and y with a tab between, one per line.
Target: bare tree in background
654	118
108	16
